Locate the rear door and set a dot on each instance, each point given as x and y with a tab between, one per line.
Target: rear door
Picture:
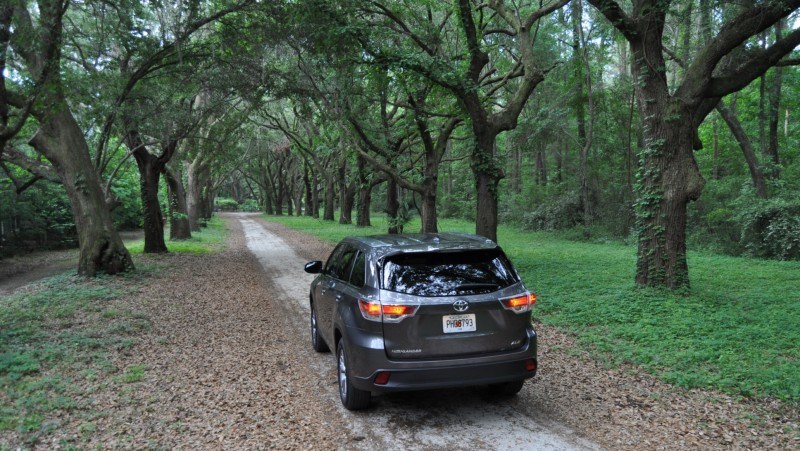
458	294
327	288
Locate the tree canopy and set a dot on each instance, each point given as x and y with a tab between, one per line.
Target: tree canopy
668	124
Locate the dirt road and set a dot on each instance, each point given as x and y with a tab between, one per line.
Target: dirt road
453	419
226	363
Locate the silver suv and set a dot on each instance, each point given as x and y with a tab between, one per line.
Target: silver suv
416	312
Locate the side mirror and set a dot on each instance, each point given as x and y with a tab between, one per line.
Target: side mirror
314	267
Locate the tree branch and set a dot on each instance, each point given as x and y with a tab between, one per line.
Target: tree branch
617	16
37	168
738	78
697	81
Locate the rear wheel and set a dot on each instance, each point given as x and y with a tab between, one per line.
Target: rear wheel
352	397
317	343
507	388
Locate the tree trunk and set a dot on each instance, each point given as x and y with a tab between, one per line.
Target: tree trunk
310	202
179	218
364	202
348	200
580	110
393	207
279	194
364	195
541	165
207	198
663	200
149	177
61	141
268	206
747	149
330	195
194	192
715	149
487	178
290	197
429	185
315	195
150	167
774	110
347	194
515	157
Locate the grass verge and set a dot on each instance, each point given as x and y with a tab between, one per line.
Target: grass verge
59	342
737	331
209	239
56	339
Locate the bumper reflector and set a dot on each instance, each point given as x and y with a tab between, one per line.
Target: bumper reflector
530	365
382	378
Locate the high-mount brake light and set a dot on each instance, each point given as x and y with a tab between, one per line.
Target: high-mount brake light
390	313
519	304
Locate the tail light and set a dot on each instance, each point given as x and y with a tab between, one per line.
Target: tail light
390	313
519	304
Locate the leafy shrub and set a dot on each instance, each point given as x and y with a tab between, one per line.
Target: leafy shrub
712	222
226	204
249	205
560	212
771	229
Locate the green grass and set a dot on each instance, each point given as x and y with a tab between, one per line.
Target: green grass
56	339
134	373
737	331
208	239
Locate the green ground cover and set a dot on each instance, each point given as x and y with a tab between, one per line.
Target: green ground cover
58	338
209	239
737	330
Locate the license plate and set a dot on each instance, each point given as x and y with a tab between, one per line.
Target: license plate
459	323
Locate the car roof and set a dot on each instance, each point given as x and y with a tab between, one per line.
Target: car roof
384	245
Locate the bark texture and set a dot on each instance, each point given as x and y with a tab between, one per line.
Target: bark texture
61	141
179	214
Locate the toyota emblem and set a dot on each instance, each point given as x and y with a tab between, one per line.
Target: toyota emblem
461	305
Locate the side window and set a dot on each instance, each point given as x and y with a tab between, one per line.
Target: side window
345	265
359	267
331	266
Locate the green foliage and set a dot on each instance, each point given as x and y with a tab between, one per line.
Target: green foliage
60	330
555	213
128	215
226	204
250	206
209	239
39	218
771	229
736	332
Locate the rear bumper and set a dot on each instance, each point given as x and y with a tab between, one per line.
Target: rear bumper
368	358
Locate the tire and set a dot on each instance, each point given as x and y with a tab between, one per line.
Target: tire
507	388
317	343
352	397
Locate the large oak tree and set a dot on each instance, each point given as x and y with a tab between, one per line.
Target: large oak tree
669	177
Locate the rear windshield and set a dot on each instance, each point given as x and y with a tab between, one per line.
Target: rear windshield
448	273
